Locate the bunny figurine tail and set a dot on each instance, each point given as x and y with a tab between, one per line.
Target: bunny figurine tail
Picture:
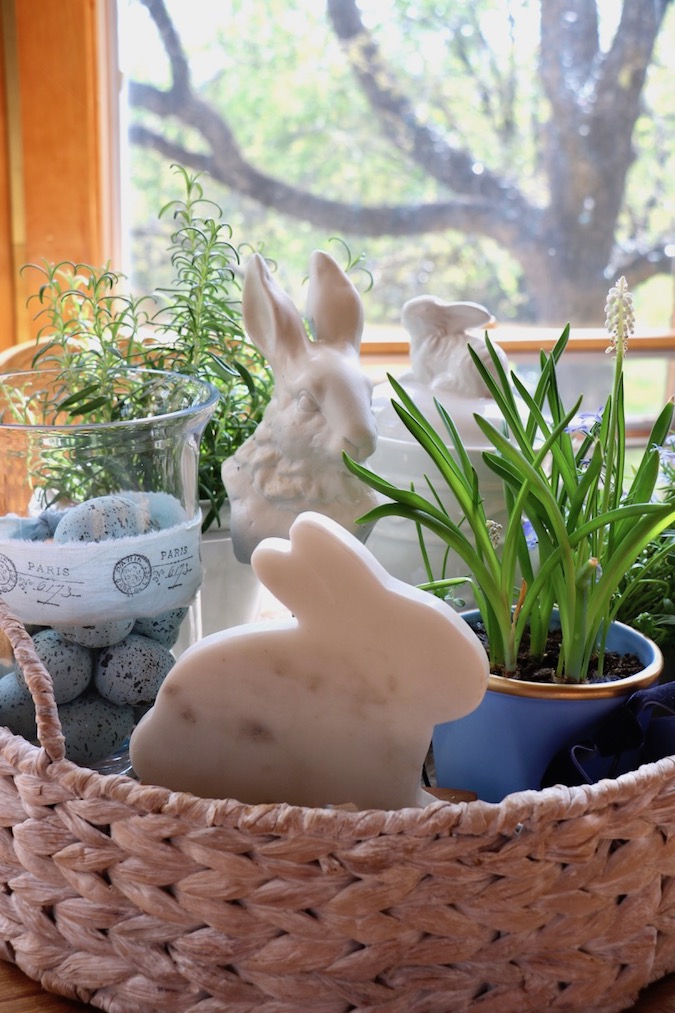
333	706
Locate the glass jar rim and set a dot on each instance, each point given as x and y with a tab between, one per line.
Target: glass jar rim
208	394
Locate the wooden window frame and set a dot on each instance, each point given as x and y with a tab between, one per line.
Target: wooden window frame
59	124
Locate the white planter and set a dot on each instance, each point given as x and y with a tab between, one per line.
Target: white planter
394	540
401	460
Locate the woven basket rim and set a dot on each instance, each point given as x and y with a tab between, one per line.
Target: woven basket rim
520	810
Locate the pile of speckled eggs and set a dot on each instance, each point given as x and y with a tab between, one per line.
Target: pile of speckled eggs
107	673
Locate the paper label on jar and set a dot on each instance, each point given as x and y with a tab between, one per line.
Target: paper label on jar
49	583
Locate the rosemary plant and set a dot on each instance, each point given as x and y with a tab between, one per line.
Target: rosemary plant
566	488
199	331
193	327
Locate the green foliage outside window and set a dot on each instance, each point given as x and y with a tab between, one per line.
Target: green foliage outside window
516	154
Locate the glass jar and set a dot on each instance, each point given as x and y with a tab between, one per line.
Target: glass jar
99	540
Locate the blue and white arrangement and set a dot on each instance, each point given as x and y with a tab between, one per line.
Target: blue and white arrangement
104	587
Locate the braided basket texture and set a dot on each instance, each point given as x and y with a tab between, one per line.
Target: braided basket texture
137	899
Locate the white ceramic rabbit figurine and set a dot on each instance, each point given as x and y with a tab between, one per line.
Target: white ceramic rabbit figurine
321	407
439	343
335	705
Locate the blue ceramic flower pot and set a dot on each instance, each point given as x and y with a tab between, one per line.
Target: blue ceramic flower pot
506	744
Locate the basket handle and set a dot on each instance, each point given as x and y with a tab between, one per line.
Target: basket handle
39	682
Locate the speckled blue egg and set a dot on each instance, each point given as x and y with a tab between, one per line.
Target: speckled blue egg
164	628
17	709
103	634
94	728
101	518
164	509
70	665
132	672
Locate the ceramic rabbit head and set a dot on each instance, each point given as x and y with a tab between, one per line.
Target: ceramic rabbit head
321	407
335	705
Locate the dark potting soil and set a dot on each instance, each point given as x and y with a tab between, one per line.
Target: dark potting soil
616	666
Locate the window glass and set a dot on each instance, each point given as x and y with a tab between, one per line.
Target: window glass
516	154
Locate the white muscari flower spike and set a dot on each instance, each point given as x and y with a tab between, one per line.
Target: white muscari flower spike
494	529
619	316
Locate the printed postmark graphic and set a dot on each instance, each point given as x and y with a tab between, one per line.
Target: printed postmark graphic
132	573
8	575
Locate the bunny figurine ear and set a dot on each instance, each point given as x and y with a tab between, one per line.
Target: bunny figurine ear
334	306
316	550
427	314
270	317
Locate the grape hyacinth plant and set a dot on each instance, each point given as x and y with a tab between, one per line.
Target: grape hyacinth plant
566	491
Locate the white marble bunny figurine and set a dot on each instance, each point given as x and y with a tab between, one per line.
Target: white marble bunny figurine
321	407
335	705
439	342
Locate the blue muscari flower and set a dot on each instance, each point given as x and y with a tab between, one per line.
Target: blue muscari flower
531	539
585	422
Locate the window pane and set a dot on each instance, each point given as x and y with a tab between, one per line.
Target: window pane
516	155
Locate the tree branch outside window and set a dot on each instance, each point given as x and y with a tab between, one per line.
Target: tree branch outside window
518	154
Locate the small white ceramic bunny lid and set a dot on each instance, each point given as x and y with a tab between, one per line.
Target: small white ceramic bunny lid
335	705
441	367
321	407
439	338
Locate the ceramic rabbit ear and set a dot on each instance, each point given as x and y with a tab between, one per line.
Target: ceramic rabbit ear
311	556
278	569
334	306
270	318
423	311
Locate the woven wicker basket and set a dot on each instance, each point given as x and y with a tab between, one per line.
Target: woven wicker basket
137	899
